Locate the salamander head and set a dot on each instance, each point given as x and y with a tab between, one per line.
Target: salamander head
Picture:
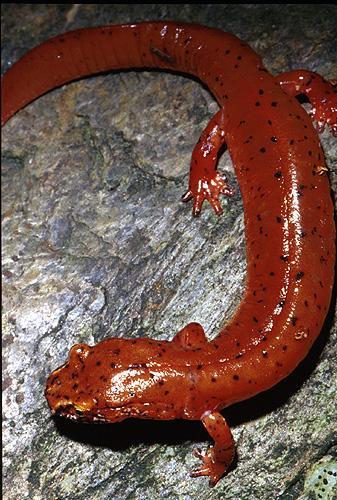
114	380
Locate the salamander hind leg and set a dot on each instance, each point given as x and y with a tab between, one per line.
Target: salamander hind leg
321	94
205	182
219	457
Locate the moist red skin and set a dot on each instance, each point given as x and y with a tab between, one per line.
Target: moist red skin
289	229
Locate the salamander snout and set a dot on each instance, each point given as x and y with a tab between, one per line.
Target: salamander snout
62	387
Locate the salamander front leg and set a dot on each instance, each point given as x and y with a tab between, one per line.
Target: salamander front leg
205	182
320	93
219	457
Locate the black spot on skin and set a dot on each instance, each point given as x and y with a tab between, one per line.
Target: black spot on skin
294	320
306	303
278	174
236	377
284	348
284	258
274	104
161	382
299	275
278	219
262	150
281	303
113	365
199	367
264	354
273	139
98	363
213	379
116	351
261	91
162	55
255	319
257	103
137	365
272	273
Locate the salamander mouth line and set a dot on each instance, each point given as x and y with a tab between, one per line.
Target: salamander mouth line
72	411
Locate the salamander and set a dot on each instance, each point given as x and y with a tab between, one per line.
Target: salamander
289	229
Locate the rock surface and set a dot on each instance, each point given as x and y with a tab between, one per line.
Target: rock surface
96	244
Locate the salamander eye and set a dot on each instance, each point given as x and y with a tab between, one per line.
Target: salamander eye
79	352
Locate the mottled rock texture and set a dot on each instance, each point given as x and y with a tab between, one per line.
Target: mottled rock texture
96	243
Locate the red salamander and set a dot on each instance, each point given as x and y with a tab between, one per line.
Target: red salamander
289	227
